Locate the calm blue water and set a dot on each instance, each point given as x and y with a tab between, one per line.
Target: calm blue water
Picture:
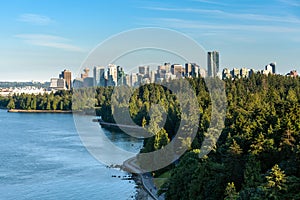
42	157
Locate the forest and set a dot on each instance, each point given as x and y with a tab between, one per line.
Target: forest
61	100
257	155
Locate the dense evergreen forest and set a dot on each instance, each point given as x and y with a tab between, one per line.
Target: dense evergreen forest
257	155
61	100
3	102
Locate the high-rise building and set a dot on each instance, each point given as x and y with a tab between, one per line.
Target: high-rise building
144	70
57	84
67	76
293	74
86	73
271	68
134	80
226	74
152	76
177	70
78	83
120	76
244	72
99	79
88	82
112	75
191	70
127	80
202	72
236	73
188	69
213	63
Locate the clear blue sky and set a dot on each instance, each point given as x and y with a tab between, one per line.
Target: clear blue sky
40	38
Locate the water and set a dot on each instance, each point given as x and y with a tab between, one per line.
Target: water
42	157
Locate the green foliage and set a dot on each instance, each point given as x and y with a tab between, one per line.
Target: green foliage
230	192
262	132
4	101
61	100
276	182
11	104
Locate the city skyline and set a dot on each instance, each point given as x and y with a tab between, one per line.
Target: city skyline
40	38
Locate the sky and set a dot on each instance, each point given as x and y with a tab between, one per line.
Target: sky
40	38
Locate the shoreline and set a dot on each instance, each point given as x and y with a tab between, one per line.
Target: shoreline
145	179
39	111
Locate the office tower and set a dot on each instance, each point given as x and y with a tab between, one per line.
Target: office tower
99	79
226	74
67	76
191	70
293	74
120	76
152	76
236	73
86	73
134	80
57	84
112	75
201	72
127	80
213	63
271	68
144	70
188	69
177	70
273	65
88	82
78	83
244	72
252	72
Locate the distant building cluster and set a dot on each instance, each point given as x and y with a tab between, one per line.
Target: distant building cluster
113	75
63	82
292	73
22	90
236	73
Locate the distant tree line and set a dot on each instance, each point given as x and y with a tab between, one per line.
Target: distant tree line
61	100
3	102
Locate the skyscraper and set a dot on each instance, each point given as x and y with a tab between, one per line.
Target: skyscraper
177	70
120	76
144	70
112	75
213	63
99	79
67	76
86	73
271	67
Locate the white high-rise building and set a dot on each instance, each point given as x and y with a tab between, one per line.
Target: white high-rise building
112	76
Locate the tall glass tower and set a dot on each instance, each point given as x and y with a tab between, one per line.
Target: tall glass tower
213	63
